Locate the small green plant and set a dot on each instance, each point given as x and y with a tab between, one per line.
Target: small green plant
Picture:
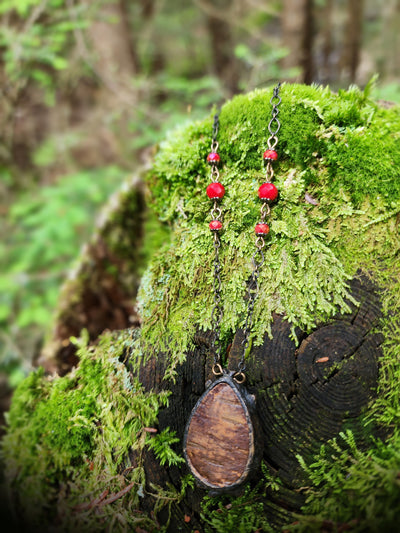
161	445
42	236
35	36
351	487
243	514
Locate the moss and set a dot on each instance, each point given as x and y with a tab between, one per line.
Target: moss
333	150
73	435
244	514
352	489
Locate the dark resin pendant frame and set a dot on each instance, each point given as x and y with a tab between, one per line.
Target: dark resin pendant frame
221	441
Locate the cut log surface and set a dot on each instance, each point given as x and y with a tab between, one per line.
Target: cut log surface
306	393
219	442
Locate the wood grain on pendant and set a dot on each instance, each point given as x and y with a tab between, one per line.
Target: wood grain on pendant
219	440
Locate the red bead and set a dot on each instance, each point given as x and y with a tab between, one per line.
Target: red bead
261	229
215	190
268	191
213	158
215	225
270	155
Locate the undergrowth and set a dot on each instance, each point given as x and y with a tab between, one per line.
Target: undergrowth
70	439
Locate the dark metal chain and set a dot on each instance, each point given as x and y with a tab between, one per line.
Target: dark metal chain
273	127
215	131
217	311
214	147
258	257
274	124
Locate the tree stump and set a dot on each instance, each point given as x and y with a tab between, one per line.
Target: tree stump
323	361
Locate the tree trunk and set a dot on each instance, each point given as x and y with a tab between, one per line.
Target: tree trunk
114	61
298	37
327	44
353	39
106	282
391	39
225	63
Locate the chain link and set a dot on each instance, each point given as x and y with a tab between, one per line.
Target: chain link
214	147
274	125
252	293
217	311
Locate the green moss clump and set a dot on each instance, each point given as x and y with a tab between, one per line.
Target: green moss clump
341	150
353	490
69	439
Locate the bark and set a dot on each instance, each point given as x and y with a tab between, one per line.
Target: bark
114	64
298	37
327	44
130	41
307	63
305	395
353	39
225	64
390	39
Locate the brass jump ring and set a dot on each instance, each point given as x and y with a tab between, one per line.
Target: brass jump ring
239	378
217	370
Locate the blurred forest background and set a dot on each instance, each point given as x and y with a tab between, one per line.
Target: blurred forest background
88	87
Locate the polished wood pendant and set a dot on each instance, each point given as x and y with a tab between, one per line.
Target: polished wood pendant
220	437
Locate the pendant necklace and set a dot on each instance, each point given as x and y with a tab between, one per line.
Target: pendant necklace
220	443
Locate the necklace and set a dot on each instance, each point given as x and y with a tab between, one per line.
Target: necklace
221	437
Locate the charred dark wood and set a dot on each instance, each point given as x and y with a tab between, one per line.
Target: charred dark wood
306	393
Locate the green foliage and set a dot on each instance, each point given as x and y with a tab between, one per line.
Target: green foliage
244	514
42	235
35	45
360	489
161	445
79	430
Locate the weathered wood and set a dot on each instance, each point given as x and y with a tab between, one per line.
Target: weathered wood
305	393
219	442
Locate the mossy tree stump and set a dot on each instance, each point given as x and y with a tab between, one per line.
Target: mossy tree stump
306	392
323	363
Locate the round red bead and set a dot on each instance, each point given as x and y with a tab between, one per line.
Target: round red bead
215	190
268	191
215	225
261	229
271	155
213	158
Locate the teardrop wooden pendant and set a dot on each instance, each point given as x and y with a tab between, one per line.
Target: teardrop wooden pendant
220	441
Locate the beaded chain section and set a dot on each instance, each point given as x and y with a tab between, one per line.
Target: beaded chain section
267	193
